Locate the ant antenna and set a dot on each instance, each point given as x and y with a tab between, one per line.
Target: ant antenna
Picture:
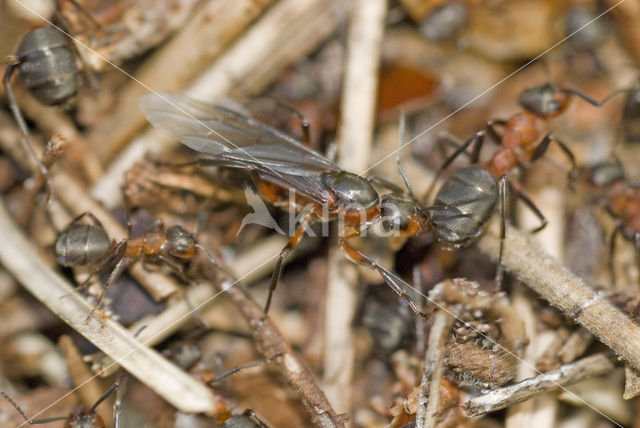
215	263
235	370
24	415
402	122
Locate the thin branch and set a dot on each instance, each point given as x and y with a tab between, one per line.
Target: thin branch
81	375
213	26
22	260
366	29
594	365
429	398
567	292
270	343
254	61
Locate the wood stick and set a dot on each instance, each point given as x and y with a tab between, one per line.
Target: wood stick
366	28
22	260
594	365
246	68
270	343
203	38
567	292
429	398
81	375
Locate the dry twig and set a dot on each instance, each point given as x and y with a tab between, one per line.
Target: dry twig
253	62
270	343
594	365
547	277
366	28
429	399
214	26
22	260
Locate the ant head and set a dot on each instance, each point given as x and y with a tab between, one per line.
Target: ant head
351	191
181	243
83	417
400	213
545	101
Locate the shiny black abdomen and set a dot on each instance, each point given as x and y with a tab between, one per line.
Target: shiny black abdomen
464	204
81	244
48	66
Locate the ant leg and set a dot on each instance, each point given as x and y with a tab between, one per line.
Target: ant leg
89	215
251	414
502	196
116	252
304	124
106	395
491	130
176	267
445	137
532	206
477	138
396	283
24	415
235	370
13	103
544	144
117	405
22	125
592	101
277	271
612	249
420	322
117	271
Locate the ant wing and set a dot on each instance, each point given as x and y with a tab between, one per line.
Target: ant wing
231	138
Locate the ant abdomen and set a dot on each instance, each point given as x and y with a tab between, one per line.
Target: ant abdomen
464	204
81	244
47	66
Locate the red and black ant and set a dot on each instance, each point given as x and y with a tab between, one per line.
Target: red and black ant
45	62
279	163
80	417
472	190
81	244
621	199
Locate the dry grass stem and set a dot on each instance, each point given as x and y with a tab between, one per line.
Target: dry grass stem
214	25
627	14
631	383
594	365
270	343
576	344
248	66
81	375
567	292
171	383
429	398
355	137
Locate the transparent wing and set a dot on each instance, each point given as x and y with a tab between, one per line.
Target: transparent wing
229	137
